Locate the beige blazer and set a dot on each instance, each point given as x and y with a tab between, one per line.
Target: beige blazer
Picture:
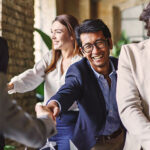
133	94
20	126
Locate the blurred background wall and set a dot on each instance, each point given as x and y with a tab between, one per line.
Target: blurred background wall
119	15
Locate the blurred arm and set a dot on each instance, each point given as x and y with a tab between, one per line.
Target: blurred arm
20	126
31	78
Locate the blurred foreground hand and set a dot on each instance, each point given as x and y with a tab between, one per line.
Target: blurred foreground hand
54	108
44	111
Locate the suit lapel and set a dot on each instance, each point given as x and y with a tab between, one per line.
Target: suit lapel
94	80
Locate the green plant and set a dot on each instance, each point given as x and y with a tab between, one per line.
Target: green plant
9	147
117	47
46	39
48	42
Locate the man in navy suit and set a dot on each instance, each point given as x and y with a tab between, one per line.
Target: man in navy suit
92	83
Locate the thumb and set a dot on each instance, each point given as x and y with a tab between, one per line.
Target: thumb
56	111
38	106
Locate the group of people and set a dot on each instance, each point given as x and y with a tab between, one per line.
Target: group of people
96	102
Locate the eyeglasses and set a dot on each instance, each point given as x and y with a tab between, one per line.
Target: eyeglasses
99	44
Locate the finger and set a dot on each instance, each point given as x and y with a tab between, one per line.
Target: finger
38	106
10	86
56	112
54	121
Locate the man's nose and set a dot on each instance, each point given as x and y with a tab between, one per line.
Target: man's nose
95	49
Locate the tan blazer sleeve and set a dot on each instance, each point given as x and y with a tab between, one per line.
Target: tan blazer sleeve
20	126
129	98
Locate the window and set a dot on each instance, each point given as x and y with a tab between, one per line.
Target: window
133	28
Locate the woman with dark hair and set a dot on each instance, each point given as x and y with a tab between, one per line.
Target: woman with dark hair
52	70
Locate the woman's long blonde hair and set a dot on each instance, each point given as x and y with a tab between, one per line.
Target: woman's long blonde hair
70	22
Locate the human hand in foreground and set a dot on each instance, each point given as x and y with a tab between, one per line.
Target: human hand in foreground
54	108
43	111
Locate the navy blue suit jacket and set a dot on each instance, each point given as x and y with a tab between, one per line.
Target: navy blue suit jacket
81	85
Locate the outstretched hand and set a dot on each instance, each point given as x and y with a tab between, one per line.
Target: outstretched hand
43	110
10	86
54	108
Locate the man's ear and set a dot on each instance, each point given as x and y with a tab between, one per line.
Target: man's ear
81	51
72	38
110	43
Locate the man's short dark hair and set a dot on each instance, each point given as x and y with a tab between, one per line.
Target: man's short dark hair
91	26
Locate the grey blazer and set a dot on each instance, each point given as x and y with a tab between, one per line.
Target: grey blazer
20	126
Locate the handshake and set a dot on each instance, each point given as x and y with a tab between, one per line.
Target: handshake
51	110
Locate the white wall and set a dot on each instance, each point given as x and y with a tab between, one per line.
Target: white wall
130	23
45	12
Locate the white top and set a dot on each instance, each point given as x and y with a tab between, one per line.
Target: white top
31	78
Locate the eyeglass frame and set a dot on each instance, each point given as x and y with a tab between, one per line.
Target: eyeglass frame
94	44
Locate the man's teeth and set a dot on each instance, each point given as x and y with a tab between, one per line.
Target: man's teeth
98	57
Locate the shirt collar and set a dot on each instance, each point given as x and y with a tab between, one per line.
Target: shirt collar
98	75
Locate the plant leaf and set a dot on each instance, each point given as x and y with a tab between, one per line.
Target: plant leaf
123	40
47	40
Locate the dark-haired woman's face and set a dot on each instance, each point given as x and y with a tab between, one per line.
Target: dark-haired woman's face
60	36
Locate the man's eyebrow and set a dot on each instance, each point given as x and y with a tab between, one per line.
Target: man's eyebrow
94	42
87	43
99	39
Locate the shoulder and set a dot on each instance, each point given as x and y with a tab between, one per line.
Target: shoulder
47	57
76	58
134	50
135	46
80	63
80	68
48	54
144	42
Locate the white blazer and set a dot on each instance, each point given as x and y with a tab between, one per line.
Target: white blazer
133	94
20	126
